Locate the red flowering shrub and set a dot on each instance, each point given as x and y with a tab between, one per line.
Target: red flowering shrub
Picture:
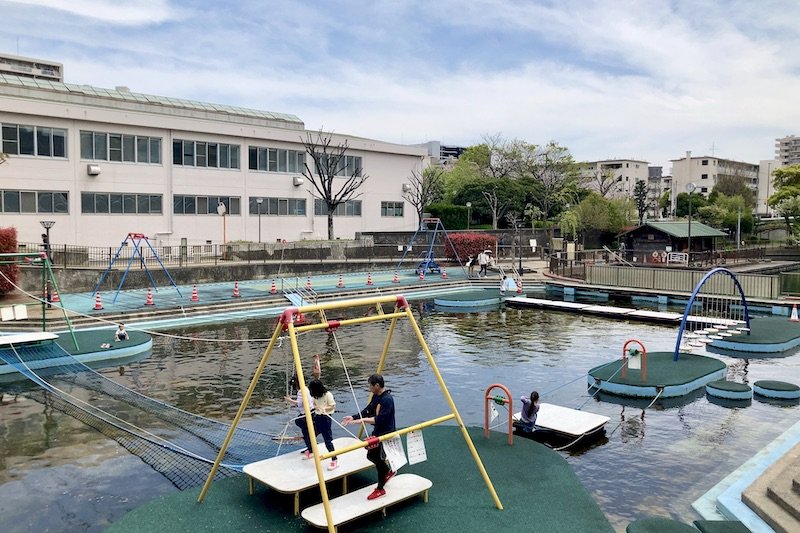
8	245
466	244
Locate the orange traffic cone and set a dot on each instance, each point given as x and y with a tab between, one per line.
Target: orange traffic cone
195	297
444	273
794	317
341	282
97	303
395	279
54	299
308	282
422	275
236	289
369	278
149	300
273	289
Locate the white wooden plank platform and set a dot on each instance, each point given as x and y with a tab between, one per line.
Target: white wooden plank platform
608	310
621	312
348	507
24	338
567	421
291	473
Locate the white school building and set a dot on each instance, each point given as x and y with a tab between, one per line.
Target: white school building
102	163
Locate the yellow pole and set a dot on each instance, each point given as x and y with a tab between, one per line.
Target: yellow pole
388	340
349	322
343	304
393	434
310	428
240	412
449	399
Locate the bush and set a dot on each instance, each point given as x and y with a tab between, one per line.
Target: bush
452	216
8	245
466	244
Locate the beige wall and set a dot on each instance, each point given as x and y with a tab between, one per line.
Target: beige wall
387	165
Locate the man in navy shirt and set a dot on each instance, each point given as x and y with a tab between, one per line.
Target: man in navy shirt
380	413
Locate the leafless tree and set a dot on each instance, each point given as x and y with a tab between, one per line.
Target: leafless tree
603	181
427	187
336	177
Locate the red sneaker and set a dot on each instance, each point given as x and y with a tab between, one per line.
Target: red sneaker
377	493
388	476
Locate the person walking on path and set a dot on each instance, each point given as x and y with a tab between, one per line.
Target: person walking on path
483	262
380	413
324	406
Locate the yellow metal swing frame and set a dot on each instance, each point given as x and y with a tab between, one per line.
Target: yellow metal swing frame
288	322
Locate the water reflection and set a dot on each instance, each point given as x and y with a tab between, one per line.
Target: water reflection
656	459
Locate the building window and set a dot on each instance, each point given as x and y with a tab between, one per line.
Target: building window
34	201
391	209
349	165
275	160
703	176
121	203
350	208
703	189
205	205
705	162
99	146
34	140
278	206
205	154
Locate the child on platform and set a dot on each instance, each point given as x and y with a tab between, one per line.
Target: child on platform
324	406
530	409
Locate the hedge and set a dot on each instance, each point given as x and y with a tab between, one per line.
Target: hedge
452	216
8	245
466	244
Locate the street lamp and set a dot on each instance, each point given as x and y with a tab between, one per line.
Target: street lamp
690	187
47	224
259	201
221	210
469	207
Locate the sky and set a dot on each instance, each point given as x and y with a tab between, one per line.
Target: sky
646	80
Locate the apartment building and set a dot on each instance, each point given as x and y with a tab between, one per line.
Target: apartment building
704	172
101	163
787	150
613	178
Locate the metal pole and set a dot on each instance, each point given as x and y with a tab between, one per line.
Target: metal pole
689	240
739	229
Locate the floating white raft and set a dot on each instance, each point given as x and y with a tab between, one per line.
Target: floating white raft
566	421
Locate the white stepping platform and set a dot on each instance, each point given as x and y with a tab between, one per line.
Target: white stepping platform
567	421
348	507
608	310
291	473
662	315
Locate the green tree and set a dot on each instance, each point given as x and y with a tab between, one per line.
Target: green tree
735	186
682	204
597	215
787	187
665	203
640	199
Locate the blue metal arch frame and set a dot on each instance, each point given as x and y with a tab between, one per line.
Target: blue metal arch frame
694	297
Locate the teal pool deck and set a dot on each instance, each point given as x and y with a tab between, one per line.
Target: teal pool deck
664	377
770	334
254	290
536	495
95	347
471	298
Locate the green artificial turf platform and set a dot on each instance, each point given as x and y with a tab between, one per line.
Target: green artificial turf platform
534	483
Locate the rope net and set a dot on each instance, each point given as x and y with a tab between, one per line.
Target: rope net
180	445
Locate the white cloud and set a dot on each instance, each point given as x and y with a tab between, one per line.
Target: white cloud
127	13
631	79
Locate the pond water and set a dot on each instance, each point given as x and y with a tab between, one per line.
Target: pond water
58	474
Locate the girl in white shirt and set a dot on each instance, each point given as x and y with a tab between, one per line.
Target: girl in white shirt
324	406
